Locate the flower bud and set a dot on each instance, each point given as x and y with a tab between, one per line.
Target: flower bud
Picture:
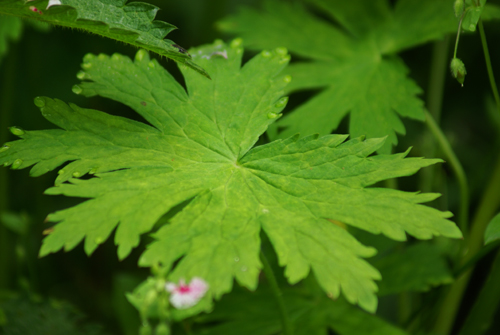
458	7
458	70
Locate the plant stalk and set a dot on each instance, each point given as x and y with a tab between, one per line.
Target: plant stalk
458	34
489	204
278	295
487	60
482	313
485	251
435	89
438	73
457	169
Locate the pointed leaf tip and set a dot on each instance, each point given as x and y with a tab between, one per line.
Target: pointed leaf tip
39	102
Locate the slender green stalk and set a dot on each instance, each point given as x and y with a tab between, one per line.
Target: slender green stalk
404	306
278	295
472	246
482	313
485	251
437	78
457	169
458	34
488	65
187	328
489	204
435	89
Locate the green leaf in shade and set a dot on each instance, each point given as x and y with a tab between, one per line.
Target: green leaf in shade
345	319
29	316
310	315
492	232
131	23
199	145
416	268
10	30
355	65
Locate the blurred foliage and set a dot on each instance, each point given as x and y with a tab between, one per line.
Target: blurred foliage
31	316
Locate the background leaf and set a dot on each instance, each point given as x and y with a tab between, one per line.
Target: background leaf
356	70
131	23
28	316
417	268
309	313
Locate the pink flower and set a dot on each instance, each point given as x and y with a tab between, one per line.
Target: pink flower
51	3
186	295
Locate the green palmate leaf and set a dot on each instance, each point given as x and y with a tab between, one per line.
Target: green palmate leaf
417	268
131	23
10	30
199	146
355	67
492	232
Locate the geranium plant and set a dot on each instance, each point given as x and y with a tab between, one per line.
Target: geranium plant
251	213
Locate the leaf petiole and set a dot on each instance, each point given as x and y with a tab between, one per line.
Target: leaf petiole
457	169
487	60
278	295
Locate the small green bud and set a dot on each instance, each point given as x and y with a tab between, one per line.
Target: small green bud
17	131
458	7
458	70
162	329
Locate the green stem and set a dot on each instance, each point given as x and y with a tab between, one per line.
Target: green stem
457	169
450	304
435	89
489	204
458	34
404	306
488	64
278	295
471	250
438	73
187	328
482	314
476	258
